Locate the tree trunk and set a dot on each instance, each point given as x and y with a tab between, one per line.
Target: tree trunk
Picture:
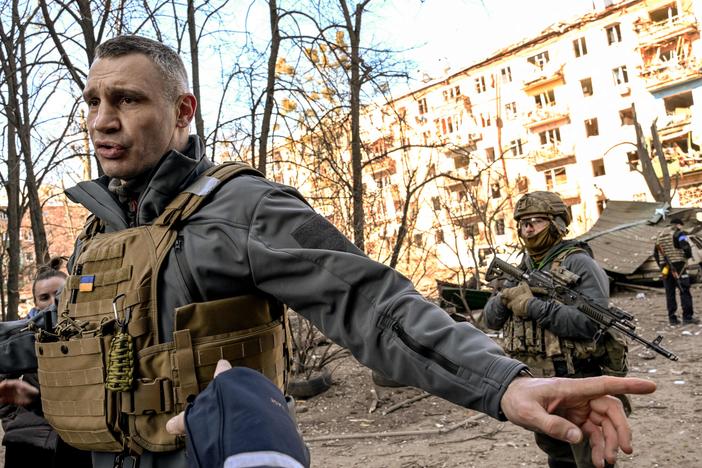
194	60
41	246
354	30
14	217
270	87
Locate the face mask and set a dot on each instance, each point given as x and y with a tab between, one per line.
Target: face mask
538	245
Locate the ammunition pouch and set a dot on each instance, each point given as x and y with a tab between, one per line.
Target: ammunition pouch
86	415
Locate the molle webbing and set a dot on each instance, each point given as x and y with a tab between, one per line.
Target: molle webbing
665	240
112	291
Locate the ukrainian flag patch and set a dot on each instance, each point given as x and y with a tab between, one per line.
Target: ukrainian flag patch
86	283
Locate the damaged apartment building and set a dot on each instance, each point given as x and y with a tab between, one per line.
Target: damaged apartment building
552	112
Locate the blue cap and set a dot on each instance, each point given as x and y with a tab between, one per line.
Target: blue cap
241	420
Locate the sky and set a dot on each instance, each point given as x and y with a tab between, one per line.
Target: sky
457	33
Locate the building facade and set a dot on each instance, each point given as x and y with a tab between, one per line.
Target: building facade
553	112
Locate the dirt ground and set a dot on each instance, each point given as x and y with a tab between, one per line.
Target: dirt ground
431	432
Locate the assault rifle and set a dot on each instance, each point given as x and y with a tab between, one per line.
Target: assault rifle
557	286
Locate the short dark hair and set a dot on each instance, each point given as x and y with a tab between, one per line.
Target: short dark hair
50	270
165	58
676	221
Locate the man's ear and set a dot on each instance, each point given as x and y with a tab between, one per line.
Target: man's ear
186	110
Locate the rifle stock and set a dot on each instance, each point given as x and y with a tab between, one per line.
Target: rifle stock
608	318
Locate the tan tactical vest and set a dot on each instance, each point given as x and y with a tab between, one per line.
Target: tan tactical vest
538	347
109	382
665	240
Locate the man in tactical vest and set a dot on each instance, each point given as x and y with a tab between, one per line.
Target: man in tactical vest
183	263
553	339
671	252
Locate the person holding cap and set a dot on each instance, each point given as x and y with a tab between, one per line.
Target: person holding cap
671	252
241	420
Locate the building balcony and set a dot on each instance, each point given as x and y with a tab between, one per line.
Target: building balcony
383	166
676	126
651	33
541	80
567	191
662	75
545	115
549	156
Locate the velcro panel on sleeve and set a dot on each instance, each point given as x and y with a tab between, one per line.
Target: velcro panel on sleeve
318	233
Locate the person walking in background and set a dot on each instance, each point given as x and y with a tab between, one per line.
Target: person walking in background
671	252
29	439
553	339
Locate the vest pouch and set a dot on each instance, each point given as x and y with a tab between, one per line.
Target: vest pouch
172	374
73	394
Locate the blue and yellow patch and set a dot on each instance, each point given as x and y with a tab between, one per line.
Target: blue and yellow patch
87	283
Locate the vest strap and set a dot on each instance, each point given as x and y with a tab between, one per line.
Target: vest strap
185	363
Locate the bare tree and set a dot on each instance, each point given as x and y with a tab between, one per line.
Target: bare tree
660	188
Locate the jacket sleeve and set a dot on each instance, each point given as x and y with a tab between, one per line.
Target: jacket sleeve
495	313
682	242
568	321
301	259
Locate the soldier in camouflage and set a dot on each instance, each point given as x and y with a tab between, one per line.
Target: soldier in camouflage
551	338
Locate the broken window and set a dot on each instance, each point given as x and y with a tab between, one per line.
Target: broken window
580	47
500	227
614	34
506	75
620	75
480	84
598	167
436	203
460	160
551	136
545	99
516	147
665	13
418	240
439	235
511	110
490	154
422	104
495	190
586	85
470	231
485	120
627	116
554	177
632	158
539	59
678	103
591	128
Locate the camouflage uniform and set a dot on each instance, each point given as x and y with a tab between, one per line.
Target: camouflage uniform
555	339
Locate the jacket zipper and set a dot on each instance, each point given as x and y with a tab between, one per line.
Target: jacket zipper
184	269
425	351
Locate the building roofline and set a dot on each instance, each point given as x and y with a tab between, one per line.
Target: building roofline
555	29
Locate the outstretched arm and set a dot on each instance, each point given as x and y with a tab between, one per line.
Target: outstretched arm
16	392
570	409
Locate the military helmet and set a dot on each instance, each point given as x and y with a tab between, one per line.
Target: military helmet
542	203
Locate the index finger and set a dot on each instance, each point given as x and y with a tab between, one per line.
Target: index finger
593	387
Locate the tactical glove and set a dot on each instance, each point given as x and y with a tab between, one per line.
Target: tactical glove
517	299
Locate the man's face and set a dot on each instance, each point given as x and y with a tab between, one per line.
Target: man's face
130	121
532	225
45	291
